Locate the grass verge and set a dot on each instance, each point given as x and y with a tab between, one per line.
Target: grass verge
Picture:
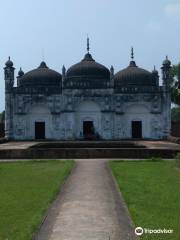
152	193
26	191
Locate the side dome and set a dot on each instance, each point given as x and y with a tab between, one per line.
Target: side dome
87	74
41	76
134	76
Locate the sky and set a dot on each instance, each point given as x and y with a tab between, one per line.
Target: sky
56	31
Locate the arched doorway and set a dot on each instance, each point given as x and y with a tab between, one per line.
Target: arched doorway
88	118
40	122
137	119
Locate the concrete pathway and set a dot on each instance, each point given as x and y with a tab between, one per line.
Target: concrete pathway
88	208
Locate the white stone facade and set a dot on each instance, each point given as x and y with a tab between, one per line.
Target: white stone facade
112	118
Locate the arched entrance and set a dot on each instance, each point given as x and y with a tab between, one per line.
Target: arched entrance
88	116
137	119
40	122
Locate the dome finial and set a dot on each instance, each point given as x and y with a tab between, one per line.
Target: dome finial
132	62
20	73
88	48
42	65
132	53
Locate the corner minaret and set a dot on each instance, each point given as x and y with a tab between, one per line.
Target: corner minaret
166	77
9	75
9	83
166	68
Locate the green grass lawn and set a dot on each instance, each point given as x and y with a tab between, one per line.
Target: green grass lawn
152	193
26	190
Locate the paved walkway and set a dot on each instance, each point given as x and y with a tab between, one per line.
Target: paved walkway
88	208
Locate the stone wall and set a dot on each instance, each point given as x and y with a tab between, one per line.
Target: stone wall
112	114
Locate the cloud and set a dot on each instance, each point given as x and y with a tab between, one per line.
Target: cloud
172	10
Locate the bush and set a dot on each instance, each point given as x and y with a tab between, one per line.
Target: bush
175	114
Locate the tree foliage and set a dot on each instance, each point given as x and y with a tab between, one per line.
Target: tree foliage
175	114
2	117
175	86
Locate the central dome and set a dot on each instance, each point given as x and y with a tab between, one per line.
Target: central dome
42	76
88	67
86	73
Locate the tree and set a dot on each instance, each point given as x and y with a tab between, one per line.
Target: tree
2	117
175	114
175	86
